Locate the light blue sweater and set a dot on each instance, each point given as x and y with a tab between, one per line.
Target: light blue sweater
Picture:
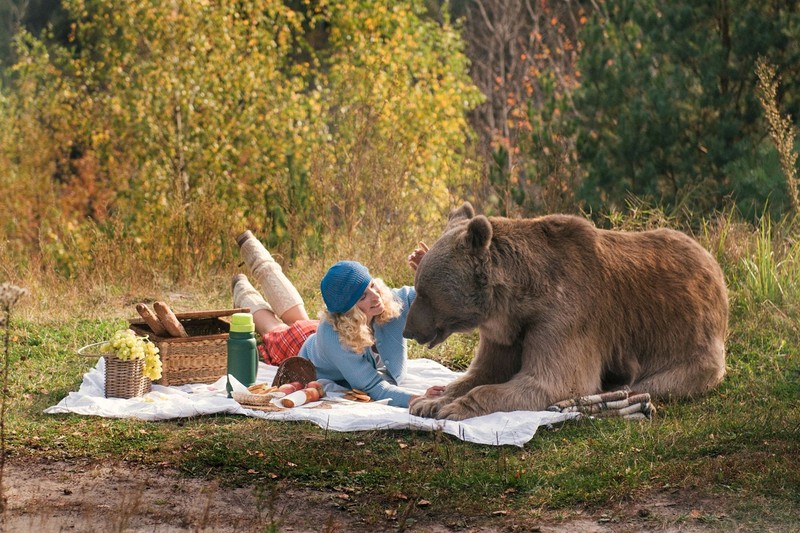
359	370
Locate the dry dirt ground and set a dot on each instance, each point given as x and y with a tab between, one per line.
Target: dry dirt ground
46	496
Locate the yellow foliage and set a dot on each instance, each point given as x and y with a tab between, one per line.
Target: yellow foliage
177	124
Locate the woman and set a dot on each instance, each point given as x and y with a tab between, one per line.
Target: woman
359	341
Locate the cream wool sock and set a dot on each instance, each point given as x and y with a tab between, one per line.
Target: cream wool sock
277	288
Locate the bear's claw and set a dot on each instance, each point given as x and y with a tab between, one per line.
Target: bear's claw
455	411
462	408
428	407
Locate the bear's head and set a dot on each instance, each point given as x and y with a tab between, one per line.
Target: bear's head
452	280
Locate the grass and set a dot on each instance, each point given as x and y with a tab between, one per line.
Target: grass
739	444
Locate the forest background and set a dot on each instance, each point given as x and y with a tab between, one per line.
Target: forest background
137	138
144	135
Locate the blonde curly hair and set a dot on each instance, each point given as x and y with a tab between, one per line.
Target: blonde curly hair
352	326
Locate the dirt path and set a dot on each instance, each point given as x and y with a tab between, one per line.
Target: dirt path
92	497
60	496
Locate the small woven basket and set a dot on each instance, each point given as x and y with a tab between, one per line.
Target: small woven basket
248	398
123	378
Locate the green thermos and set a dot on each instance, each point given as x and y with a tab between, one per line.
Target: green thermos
242	355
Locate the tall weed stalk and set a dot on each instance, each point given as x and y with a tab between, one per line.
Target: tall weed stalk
9	296
781	129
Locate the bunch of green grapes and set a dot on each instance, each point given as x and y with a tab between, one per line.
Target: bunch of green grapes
152	361
126	346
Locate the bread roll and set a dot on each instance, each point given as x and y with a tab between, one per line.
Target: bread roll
151	320
169	320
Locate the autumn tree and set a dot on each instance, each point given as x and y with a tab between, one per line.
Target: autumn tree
180	122
523	55
397	97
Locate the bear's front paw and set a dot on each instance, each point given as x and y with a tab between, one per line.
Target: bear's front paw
427	407
460	409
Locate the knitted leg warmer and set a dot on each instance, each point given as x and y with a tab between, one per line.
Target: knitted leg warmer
277	288
245	295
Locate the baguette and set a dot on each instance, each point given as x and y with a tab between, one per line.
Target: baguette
300	397
169	320
151	320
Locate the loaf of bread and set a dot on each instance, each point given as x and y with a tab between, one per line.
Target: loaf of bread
169	320
151	320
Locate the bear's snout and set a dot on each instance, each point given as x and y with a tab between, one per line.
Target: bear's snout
421	325
430	338
410	334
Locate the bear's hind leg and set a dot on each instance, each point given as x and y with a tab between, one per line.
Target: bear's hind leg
695	377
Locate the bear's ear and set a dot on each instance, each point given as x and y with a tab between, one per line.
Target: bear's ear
465	212
479	234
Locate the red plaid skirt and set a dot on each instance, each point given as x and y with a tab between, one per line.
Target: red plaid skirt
285	341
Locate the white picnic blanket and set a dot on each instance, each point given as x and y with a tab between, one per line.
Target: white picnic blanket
333	412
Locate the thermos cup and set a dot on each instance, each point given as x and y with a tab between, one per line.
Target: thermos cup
242	355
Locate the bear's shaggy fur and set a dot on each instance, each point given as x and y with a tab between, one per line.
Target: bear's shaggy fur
565	309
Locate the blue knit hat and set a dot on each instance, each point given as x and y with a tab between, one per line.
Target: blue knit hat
343	284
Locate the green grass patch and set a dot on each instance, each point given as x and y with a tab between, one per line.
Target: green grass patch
742	440
739	443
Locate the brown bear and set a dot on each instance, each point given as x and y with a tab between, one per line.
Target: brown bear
565	309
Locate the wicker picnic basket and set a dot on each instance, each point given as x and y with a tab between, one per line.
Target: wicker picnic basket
123	378
202	357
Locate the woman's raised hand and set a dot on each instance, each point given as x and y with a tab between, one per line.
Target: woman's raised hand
416	256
